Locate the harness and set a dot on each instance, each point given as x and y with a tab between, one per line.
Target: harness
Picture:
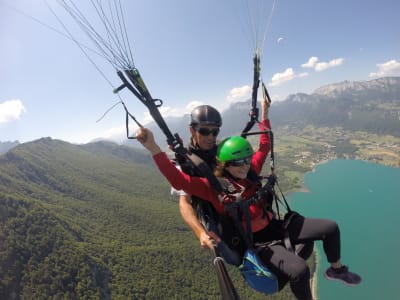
253	270
265	196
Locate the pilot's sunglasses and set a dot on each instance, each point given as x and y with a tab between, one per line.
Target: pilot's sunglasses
207	131
239	162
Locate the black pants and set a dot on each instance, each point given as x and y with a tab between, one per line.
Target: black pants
288	266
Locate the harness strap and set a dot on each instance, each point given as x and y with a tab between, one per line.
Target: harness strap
205	171
270	186
235	211
245	208
288	218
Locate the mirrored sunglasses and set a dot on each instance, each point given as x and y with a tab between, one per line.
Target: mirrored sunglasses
239	162
207	131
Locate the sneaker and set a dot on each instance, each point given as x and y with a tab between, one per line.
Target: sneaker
342	274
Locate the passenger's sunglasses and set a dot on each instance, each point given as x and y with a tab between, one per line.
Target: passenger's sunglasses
206	131
239	162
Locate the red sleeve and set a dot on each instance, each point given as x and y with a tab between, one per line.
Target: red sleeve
197	186
260	155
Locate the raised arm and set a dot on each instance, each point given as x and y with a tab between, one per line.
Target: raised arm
197	186
260	155
264	109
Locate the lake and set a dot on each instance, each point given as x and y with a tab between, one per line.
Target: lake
364	199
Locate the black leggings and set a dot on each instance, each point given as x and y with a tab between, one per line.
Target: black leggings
288	266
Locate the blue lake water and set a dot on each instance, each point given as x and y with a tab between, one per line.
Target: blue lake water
364	199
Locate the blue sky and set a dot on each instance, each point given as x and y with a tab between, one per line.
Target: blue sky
189	52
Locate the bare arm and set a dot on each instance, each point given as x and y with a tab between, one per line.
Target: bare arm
264	109
190	218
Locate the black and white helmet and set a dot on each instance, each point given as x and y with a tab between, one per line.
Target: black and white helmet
205	115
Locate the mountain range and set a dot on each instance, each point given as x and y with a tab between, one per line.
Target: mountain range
372	106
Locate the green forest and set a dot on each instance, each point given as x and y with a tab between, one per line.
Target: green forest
97	221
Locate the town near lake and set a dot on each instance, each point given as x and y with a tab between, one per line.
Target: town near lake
298	150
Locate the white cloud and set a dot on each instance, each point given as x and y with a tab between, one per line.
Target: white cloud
321	66
391	67
277	98
327	65
239	94
168	111
289	74
192	105
11	110
165	111
304	74
280	78
119	132
312	61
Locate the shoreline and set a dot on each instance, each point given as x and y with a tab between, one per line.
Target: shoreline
314	277
323	161
304	189
316	265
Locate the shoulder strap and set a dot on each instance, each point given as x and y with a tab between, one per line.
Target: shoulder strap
205	171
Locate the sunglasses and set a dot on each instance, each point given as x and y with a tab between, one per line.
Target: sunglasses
239	162
206	131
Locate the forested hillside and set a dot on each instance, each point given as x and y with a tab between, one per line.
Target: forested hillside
96	222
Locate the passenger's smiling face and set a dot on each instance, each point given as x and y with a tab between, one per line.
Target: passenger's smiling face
239	168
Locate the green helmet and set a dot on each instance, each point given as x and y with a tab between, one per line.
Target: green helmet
234	147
